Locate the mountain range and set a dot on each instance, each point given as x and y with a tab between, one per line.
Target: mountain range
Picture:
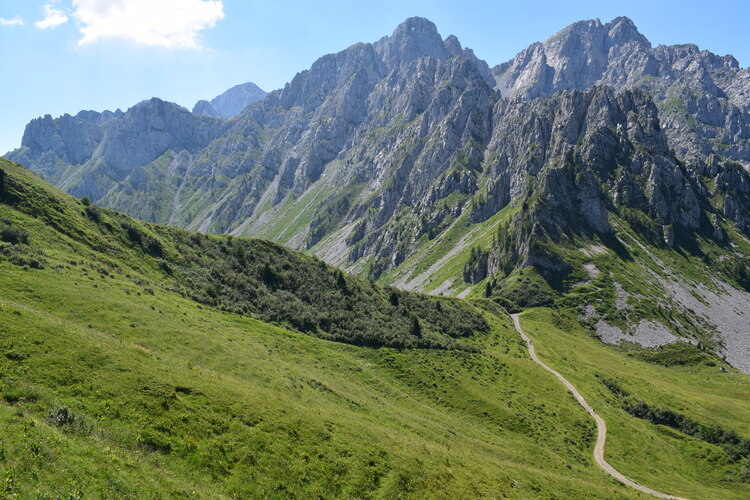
412	162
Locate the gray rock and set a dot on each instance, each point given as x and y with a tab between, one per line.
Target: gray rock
204	108
704	98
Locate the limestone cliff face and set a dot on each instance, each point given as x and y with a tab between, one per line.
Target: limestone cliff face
704	98
48	144
574	159
90	153
149	129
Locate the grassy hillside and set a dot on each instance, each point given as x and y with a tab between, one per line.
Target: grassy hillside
138	361
637	447
251	277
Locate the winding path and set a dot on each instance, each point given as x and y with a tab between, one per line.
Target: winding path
600	424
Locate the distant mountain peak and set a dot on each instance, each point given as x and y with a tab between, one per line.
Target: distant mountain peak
231	102
417	24
153	103
618	31
624	20
453	45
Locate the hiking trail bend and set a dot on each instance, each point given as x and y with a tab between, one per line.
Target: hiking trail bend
600	424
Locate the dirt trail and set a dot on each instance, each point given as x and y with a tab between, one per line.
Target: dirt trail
600	424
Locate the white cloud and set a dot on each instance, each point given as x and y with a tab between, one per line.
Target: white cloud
166	23
52	17
16	21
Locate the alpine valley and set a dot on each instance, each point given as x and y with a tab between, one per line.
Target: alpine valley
159	340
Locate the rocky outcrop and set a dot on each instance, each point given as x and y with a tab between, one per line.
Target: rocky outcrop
49	145
203	107
729	189
168	126
573	159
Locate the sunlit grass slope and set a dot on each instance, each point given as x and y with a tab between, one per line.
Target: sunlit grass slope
655	455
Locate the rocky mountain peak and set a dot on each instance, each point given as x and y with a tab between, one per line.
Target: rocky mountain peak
619	31
309	88
151	105
576	57
413	39
453	46
622	30
203	107
230	102
703	98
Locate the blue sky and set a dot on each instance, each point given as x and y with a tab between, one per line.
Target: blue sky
61	56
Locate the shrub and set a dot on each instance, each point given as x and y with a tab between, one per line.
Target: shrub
164	266
13	235
679	353
19	394
64	418
526	294
148	243
27	262
740	269
14	355
93	212
416	326
155	441
507	304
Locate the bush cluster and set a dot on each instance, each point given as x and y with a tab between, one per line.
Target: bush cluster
740	269
735	446
148	243
65	418
14	235
276	285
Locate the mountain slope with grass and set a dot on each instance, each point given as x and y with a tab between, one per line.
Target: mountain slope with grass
123	375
